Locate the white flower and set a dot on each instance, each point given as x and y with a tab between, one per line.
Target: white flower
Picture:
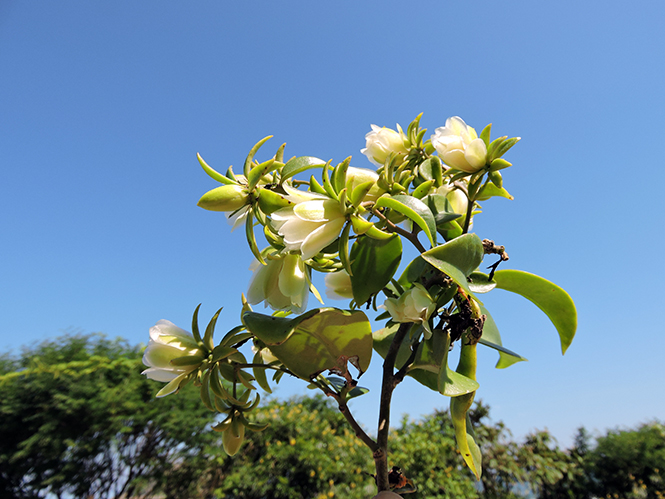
237	218
356	176
338	285
415	305
380	142
458	146
282	284
168	342
311	224
457	199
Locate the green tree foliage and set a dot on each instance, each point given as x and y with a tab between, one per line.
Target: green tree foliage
309	451
78	419
629	463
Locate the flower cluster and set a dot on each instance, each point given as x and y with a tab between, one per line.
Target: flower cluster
350	224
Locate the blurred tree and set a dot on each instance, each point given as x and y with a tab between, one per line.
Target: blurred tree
629	463
309	452
78	419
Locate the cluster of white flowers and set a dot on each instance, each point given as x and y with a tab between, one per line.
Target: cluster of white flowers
311	221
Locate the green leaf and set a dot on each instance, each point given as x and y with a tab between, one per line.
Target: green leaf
430	169
490	190
480	283
339	175
485	134
492	338
343	248
373	264
213	173
207	337
457	258
195	326
430	357
260	373
318	340
547	296
357	392
300	164
250	157
187	361
221	352
259	171
413	209
441	209
251	238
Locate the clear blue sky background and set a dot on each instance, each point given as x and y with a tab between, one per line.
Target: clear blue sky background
103	106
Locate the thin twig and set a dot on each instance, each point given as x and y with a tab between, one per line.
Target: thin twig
399	375
405	233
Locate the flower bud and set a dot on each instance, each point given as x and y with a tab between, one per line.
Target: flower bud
167	343
459	147
224	198
414	305
338	285
233	437
356	176
457	199
281	284
380	142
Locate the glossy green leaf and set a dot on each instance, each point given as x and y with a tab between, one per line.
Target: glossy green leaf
195	326
465	253
430	169
259	171
373	264
357	392
300	164
490	190
260	373
251	238
547	296
480	283
221	352
492	338
457	258
207	337
213	173
414	209
187	360
431	355
339	175
441	209
343	248
250	157
318	340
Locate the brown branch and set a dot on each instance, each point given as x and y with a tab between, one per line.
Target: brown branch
398	230
360	433
387	386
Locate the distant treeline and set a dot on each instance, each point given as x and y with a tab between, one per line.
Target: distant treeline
78	420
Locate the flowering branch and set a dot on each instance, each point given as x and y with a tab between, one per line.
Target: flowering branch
326	224
412	237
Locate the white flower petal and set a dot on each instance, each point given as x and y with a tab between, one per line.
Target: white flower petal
158	374
476	153
321	237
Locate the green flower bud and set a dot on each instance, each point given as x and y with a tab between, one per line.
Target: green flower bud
233	437
496	178
224	198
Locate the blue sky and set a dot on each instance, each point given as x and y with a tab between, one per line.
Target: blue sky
103	107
